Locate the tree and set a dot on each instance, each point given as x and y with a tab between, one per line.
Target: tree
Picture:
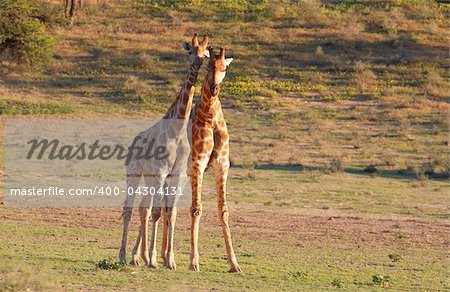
24	39
70	8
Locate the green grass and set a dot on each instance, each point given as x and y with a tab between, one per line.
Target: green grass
68	257
75	249
25	107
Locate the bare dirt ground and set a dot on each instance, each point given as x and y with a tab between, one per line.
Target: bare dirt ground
298	227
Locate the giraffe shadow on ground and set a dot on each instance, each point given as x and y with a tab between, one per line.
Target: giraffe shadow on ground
401	174
282	167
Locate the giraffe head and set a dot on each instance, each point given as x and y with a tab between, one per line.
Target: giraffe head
217	69
197	51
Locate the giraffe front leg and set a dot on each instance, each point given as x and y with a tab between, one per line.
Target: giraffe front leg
144	214
153	182
156	214
165	233
127	212
196	213
136	250
170	256
133	179
221	174
171	201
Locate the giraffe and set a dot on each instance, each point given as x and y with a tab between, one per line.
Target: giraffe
210	148
157	173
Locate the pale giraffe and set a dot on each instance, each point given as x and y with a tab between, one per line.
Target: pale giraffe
172	136
210	148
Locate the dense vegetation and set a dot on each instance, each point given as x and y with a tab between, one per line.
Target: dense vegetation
24	36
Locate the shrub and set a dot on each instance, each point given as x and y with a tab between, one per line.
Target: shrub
145	62
310	11
436	165
364	78
371	169
352	28
335	164
23	36
401	39
381	280
107	264
320	56
338	283
434	84
395	257
133	89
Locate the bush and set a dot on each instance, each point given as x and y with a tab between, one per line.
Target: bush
107	264
335	164
395	257
338	283
371	169
437	165
310	11
381	280
134	89
365	80
434	84
23	36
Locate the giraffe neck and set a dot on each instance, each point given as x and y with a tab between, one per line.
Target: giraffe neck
181	108
209	105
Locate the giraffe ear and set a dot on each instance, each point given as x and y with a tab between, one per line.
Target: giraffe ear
187	47
228	61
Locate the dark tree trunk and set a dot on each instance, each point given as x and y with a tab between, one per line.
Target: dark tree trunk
66	8
71	7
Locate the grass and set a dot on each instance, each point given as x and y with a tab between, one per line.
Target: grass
25	107
70	257
338	116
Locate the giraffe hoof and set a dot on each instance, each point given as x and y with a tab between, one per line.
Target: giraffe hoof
146	260
235	269
171	266
194	267
134	263
122	257
153	263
